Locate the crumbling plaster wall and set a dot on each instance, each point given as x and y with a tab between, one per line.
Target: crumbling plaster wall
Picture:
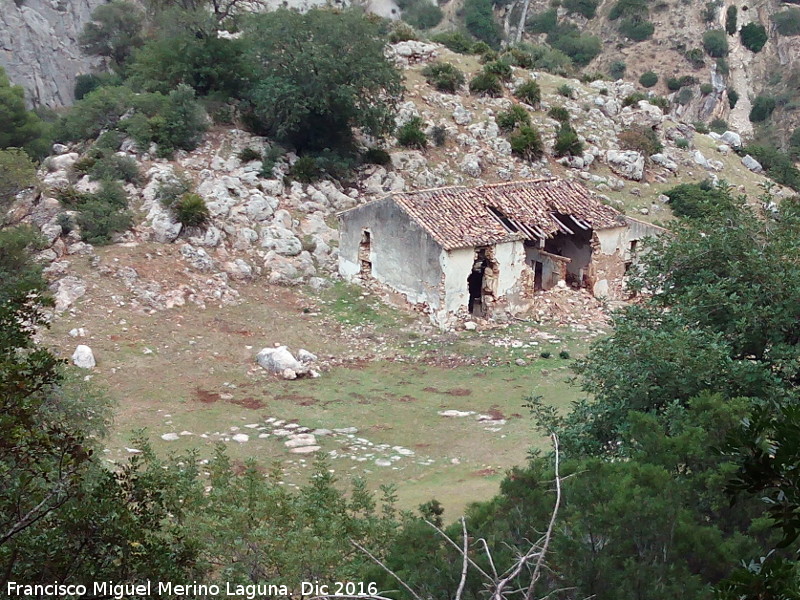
403	255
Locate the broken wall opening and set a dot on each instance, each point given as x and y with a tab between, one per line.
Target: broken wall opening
482	282
577	247
364	253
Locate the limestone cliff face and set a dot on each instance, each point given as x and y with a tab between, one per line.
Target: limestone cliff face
39	47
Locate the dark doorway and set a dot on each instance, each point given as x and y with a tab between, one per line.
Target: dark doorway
475	284
538	269
364	251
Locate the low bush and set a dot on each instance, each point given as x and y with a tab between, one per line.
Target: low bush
191	211
673	84
730	20
685	96
660	102
718	126
700	127
248	155
527	143
706	88
616	70
170	191
498	68
423	15
271	157
455	41
715	43
634	99
565	90
567	142
636	28
529	92
559	113
581	48
377	156
787	22
642	139
754	36
511	118
115	167
682	143
305	169
402	32
443	76
761	109
439	135
778	165
564	354
587	8
486	84
696	201
733	97
696	57
100	215
479	21
648	79
411	135
627	8
545	354
543	22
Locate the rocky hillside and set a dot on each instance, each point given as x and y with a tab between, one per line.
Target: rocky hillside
285	232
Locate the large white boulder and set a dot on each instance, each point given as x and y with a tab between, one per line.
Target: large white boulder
83	357
628	163
277	360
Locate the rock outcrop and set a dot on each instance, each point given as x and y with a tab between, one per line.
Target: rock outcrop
39	47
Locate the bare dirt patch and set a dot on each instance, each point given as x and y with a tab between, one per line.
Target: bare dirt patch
495	413
206	397
460	392
484	473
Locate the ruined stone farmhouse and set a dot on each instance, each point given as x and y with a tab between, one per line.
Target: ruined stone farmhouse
460	251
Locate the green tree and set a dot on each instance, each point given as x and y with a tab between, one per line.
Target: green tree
715	43
17	172
19	127
319	75
115	31
479	20
754	36
730	19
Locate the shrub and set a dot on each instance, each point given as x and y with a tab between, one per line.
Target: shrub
64	220
481	48
443	76
509	119
660	102
673	84
685	96
733	97
402	32
545	354
305	169
715	44
628	8
700	127
754	36
682	143
648	79
529	92
479	21
423	15
567	142
502	70
411	135
718	126
486	84
271	157
642	139
580	48
191	211
85	84
778	165
114	167
377	156
762	109
722	66
634	99
710	12
696	57
488	56
559	113
527	143
587	8
730	20
636	28
565	90
563	355
706	88
695	201
248	155
168	192
616	70
455	41
99	221
542	58
543	22
439	135
787	22
98	110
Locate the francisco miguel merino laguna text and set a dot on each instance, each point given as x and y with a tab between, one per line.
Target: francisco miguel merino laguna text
119	591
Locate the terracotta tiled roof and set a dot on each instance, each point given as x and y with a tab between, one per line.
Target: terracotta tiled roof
462	217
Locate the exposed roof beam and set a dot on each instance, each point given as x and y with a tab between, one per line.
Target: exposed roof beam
561	225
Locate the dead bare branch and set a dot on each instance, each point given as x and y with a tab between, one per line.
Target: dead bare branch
465	562
387	569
